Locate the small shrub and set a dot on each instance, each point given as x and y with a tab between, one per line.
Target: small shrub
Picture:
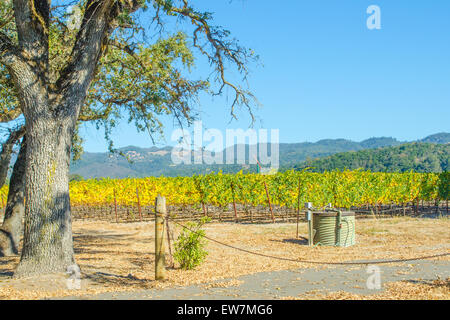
189	247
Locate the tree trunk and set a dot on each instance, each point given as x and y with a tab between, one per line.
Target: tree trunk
51	108
12	228
7	151
48	245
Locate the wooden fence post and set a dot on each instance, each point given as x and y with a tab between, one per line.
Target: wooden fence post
138	203
160	215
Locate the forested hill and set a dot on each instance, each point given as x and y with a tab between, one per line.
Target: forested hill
441	138
157	161
419	156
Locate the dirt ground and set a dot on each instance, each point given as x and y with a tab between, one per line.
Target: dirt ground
120	258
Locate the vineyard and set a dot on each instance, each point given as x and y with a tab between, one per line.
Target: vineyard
279	193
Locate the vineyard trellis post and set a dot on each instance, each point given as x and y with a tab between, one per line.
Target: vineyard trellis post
298	205
115	206
234	203
138	204
160	215
267	193
204	209
270	204
372	211
268	200
309	217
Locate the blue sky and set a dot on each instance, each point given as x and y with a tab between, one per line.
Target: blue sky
324	74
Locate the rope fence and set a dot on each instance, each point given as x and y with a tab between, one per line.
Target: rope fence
383	261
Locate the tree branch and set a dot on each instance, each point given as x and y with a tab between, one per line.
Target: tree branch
96	26
222	50
32	25
32	22
9	53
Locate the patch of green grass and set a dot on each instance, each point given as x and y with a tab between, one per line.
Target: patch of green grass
374	230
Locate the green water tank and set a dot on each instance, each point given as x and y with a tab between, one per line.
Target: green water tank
334	228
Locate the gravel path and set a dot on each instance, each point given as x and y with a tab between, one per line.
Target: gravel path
278	284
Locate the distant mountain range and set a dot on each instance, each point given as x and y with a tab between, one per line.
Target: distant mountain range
155	161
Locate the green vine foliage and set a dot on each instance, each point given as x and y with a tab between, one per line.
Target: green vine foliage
190	245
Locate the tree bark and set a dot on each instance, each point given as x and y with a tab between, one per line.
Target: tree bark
7	150
12	228
48	245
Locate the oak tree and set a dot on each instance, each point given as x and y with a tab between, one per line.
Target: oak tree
59	78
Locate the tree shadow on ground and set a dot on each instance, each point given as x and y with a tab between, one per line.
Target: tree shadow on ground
302	241
9	264
93	246
115	280
6	273
440	283
6	260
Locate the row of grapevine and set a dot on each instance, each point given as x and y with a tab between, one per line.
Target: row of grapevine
342	189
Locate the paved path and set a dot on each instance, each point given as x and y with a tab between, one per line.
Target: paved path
274	285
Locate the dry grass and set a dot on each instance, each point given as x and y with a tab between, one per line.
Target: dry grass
120	257
401	290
